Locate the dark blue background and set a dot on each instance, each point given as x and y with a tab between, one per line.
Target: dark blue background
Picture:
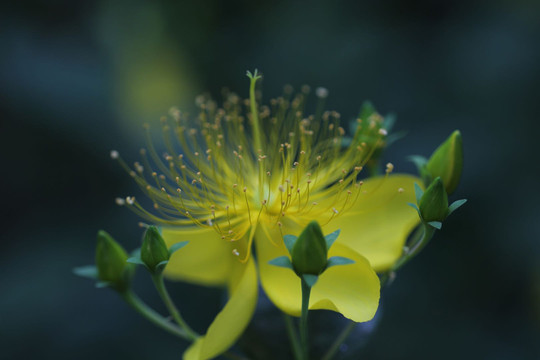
79	78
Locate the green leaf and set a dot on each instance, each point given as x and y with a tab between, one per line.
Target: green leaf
456	205
310	279
289	241
436	224
339	260
330	238
282	261
89	272
177	246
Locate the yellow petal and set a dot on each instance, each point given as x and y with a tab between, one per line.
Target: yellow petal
380	221
206	259
353	290
233	319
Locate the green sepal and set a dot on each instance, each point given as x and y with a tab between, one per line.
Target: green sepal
289	241
339	260
175	247
456	205
88	271
446	162
309	254
435	224
330	238
310	279
282	261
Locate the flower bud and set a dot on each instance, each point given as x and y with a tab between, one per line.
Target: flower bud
434	202
153	250
111	264
309	254
446	162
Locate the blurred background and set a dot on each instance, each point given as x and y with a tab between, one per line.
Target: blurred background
78	79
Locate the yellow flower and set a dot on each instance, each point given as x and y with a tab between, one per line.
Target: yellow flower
246	178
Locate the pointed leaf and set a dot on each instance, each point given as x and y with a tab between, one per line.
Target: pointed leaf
289	241
161	265
414	206
282	261
330	238
339	260
456	205
418	192
177	246
310	279
89	272
102	284
435	224
135	260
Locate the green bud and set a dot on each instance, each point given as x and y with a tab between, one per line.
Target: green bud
434	202
309	254
154	250
111	264
446	162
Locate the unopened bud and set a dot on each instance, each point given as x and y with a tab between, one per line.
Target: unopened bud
111	264
446	162
153	250
309	254
434	202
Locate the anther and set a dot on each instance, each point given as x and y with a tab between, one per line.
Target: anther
335	210
114	154
120	201
389	168
130	200
400	190
235	252
383	132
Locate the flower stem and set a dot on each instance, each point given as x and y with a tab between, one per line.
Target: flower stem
293	337
339	340
422	236
160	286
306	290
148	313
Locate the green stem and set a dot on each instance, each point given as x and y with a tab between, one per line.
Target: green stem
148	313
306	290
426	233
293	337
339	340
160	286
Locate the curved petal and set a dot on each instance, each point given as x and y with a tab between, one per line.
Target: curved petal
233	319
205	260
352	290
380	221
